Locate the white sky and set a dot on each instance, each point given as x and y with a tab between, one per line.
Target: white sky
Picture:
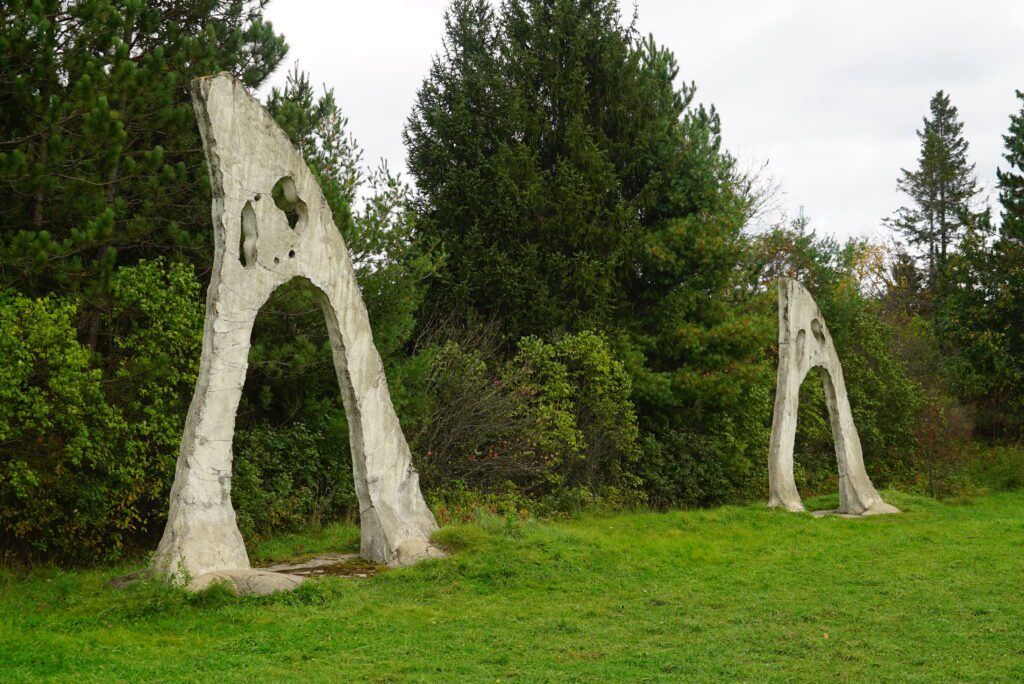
829	94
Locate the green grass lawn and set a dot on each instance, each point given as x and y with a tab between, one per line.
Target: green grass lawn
737	593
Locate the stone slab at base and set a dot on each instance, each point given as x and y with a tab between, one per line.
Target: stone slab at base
877	508
412	551
248	582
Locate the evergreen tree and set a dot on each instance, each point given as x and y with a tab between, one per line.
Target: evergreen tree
1011	180
572	185
981	320
942	189
100	158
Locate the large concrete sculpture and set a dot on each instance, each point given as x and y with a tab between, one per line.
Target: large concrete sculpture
272	224
805	343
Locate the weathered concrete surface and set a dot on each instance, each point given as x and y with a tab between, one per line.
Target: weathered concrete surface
805	343
256	251
246	582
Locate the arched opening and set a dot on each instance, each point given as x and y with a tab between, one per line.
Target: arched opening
292	465
814	453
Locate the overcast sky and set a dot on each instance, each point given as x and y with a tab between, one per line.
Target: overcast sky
828	94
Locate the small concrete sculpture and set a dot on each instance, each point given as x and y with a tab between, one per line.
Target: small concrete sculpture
804	343
272	224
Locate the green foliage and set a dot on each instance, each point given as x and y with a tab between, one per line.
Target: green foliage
549	145
980	322
1011	179
91	459
99	152
573	186
942	189
286	478
65	487
156	319
998	468
578	397
555	422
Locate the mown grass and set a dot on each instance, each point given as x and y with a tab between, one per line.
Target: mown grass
737	593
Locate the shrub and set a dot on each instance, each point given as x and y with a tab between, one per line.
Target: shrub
473	430
156	317
577	394
554	418
65	486
285	478
999	467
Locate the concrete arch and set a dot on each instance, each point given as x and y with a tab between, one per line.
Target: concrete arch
805	343
256	250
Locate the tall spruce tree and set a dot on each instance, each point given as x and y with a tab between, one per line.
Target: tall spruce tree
942	189
573	185
981	319
1011	180
100	160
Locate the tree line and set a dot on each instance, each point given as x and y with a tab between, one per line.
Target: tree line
569	301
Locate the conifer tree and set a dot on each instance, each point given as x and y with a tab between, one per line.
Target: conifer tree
100	159
981	319
1011	180
942	189
573	184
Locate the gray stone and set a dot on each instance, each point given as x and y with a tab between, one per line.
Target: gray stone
247	582
805	343
413	551
256	250
307	565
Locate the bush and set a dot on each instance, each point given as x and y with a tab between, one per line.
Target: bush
998	468
286	478
156	318
577	395
66	489
554	418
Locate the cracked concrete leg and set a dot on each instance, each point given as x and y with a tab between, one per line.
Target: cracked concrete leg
781	483
263	239
201	534
805	343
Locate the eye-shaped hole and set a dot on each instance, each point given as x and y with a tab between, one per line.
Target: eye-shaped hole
247	236
286	198
819	334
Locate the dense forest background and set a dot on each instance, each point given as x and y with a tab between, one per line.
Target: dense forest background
571	304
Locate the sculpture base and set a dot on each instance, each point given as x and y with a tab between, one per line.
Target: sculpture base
877	508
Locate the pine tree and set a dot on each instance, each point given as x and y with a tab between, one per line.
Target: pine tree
100	159
942	189
981	319
1011	181
573	185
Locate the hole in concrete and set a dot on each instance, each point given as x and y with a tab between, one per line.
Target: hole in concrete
819	334
276	260
247	236
287	199
291	254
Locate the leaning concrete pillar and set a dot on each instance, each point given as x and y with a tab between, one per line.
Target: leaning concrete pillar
259	244
805	343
